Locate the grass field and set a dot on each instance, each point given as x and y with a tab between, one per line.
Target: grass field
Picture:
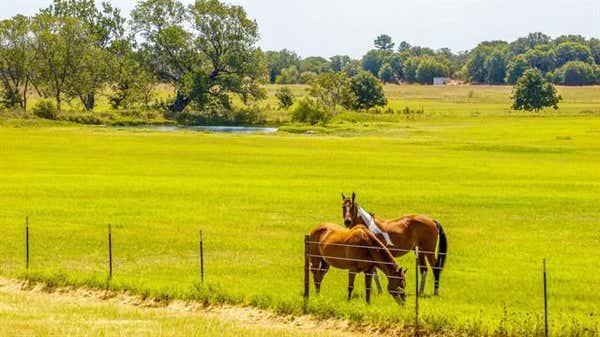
509	188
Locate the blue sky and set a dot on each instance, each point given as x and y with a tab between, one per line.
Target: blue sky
329	27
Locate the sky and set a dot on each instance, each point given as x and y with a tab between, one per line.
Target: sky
331	27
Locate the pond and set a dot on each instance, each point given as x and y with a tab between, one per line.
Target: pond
224	129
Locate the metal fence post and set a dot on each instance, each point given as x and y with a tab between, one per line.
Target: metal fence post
27	242
417	291
306	269
110	258
201	258
545	302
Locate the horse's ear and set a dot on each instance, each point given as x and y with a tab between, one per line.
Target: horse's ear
353	196
343	197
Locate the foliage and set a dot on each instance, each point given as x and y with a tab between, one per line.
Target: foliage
386	74
46	109
279	60
134	84
285	97
16	59
532	92
516	68
212	60
307	77
310	111
573	51
331	89
315	64
495	68
384	42
428	69
367	92
373	60
339	62
409	69
288	75
575	73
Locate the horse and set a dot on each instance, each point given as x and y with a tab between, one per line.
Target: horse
358	250
405	233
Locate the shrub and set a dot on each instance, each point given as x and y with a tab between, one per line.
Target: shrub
285	97
46	109
311	112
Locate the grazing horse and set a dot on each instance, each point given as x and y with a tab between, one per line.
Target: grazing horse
358	250
405	233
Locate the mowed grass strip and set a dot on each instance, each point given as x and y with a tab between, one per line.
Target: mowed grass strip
509	191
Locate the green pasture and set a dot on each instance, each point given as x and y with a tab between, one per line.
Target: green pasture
509	190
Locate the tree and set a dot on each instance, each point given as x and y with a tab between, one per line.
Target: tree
339	62
495	68
104	26
61	45
367	92
386	74
331	89
15	60
594	44
476	67
403	46
384	42
373	60
285	97
428	69
315	64
515	68
573	51
532	92
576	73
279	60
531	41
409	69
216	58
134	83
288	75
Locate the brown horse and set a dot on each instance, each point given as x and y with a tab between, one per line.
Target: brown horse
405	233
358	250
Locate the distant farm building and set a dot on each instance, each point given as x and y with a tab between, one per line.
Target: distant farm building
441	80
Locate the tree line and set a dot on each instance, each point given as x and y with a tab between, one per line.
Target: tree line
567	60
207	52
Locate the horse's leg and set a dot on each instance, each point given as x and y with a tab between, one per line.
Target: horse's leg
319	268
377	281
351	276
423	268
368	278
436	273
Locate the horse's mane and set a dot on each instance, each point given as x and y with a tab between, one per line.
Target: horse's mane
386	252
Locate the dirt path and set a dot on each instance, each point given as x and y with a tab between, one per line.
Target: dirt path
243	315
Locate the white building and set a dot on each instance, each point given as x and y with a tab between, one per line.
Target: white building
441	80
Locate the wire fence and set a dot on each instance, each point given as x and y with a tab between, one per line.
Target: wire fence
111	265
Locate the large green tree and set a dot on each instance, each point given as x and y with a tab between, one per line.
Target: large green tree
428	69
61	46
367	92
15	60
207	51
533	93
331	89
104	26
279	60
384	42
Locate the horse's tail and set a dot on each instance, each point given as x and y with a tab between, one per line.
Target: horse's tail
442	246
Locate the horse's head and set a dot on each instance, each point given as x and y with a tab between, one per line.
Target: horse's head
349	210
397	284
